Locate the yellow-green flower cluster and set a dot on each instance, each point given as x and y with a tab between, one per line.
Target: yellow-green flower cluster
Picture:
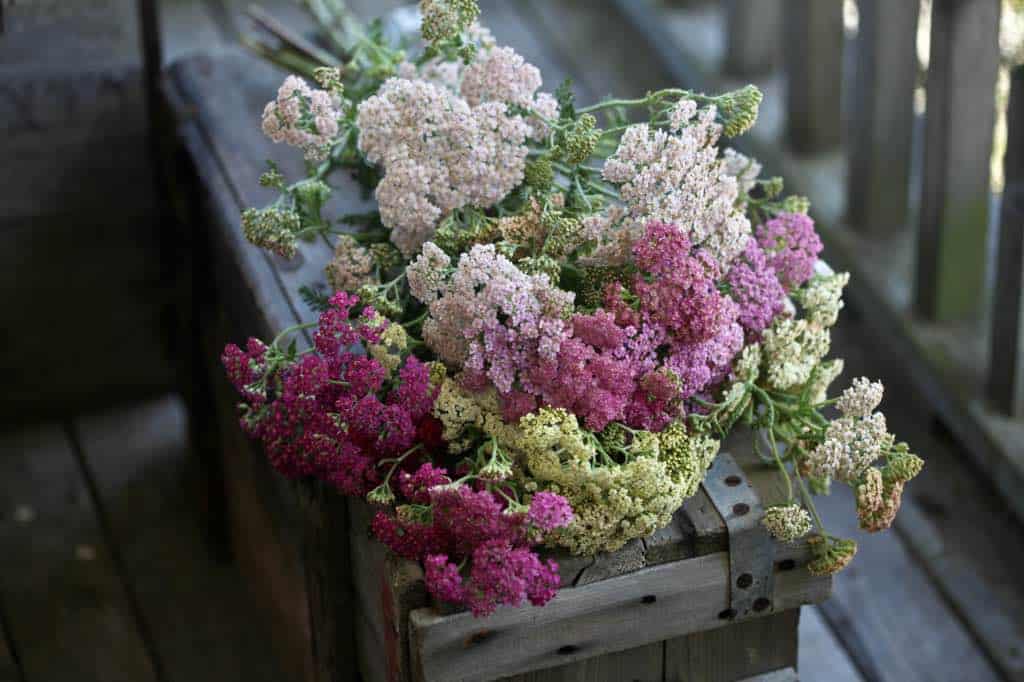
822	298
792	349
612	502
393	344
686	456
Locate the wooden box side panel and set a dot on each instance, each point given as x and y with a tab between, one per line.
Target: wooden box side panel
637	609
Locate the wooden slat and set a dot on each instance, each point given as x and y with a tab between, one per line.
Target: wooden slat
975	603
1005	385
752	31
609	616
739	651
883	609
952	243
199	615
813	46
69	614
883	116
821	656
642	664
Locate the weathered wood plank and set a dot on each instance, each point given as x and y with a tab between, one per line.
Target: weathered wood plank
68	611
86	31
200	618
752	36
612	615
9	671
952	243
742	650
974	602
882	609
821	656
642	664
260	523
387	590
1005	385
813	47
883	116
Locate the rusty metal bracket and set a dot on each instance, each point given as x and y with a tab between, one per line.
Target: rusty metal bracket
751	548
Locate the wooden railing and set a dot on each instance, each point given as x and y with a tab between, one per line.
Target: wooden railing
903	197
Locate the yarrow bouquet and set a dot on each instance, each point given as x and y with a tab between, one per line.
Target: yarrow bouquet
553	319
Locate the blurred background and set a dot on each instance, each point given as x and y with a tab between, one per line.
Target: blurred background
902	120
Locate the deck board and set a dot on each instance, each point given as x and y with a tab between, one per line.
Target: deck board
69	615
202	623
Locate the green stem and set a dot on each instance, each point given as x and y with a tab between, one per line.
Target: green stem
291	330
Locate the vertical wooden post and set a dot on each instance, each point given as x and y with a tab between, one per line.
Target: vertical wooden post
813	47
951	245
880	134
752	36
328	581
1006	364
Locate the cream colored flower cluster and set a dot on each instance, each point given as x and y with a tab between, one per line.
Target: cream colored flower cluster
303	117
856	440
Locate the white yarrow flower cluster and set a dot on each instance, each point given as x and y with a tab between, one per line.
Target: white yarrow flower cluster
745	169
861	398
851	445
787	523
303	117
438	154
677	177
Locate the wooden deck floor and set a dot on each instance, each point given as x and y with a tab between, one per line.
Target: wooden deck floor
107	574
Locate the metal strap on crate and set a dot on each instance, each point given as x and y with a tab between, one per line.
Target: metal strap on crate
751	549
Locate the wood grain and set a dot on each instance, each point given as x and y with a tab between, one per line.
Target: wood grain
951	243
821	656
68	610
813	47
609	616
9	671
881	124
139	462
742	650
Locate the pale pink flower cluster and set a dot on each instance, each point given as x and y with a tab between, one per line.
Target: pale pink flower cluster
678	178
303	117
861	398
501	75
351	267
438	154
852	444
489	317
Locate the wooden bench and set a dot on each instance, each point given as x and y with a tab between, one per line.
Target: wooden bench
676	605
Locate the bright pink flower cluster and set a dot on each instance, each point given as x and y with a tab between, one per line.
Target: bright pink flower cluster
792	247
329	414
476	525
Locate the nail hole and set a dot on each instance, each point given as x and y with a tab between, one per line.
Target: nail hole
567	649
648	599
733	480
787	565
728	614
761	604
740	508
479	637
745	581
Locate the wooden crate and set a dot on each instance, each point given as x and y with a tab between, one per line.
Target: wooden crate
664	607
659	608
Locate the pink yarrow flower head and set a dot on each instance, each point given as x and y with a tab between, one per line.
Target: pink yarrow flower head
792	247
549	511
755	287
